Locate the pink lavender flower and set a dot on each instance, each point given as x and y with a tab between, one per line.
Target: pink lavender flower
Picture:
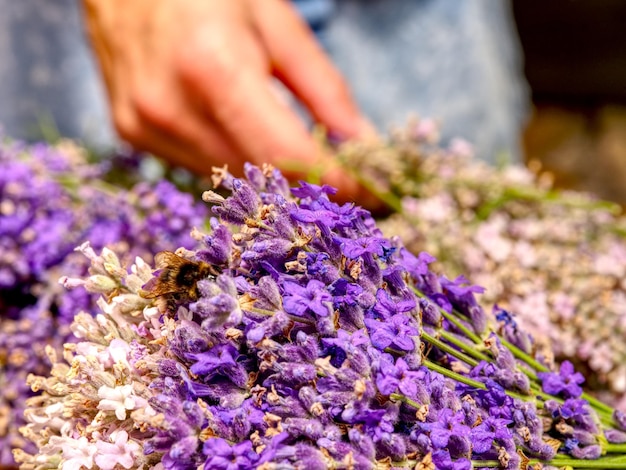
555	258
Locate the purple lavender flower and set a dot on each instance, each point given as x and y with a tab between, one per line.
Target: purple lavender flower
299	300
448	428
566	383
489	432
387	306
396	332
307	351
510	330
223	456
442	460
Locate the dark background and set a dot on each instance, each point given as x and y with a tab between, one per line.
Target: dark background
575	63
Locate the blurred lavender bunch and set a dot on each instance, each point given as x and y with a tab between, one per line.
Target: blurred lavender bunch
297	336
556	258
51	200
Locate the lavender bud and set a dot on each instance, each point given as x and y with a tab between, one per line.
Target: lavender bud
591	452
168	367
309	457
295	374
309	428
584	438
255	176
430	313
620	418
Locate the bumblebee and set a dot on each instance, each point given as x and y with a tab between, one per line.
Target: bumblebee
177	281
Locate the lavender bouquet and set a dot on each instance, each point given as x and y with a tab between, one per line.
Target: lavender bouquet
51	200
296	336
556	258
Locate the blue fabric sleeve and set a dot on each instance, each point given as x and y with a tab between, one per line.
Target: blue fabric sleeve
316	12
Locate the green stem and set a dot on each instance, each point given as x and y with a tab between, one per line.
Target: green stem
616	448
470	334
605	418
466	348
548	197
579	463
485	464
448	349
521	355
453	375
407	400
467	381
270	313
451	318
562	461
406	463
388	198
597	404
395	352
393	202
565	462
605	412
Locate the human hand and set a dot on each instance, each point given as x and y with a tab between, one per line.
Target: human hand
191	81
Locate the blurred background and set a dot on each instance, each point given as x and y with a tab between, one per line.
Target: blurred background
463	61
575	64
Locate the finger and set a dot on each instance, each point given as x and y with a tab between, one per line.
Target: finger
180	150
303	66
164	124
172	148
175	150
241	102
246	109
175	117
